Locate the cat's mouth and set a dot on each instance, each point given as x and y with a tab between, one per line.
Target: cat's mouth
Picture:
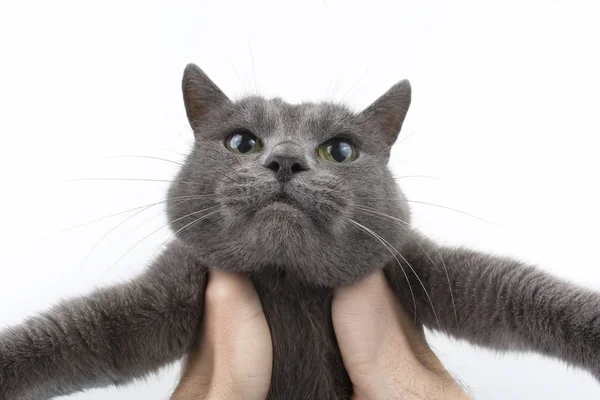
281	197
283	200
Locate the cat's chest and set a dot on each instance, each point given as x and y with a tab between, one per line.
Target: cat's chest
307	363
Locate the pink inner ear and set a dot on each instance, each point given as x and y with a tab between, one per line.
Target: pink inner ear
194	104
195	109
393	123
199	93
388	112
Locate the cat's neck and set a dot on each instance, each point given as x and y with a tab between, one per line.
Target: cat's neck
278	283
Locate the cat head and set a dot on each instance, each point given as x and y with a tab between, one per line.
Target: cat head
298	190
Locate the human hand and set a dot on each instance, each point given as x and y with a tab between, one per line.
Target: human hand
235	355
385	355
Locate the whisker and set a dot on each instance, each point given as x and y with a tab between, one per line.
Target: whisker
445	271
148	180
125	179
336	86
433	205
183	123
237	159
239	78
416	176
148	157
181	230
407	230
333	177
256	87
129	210
451	209
413	271
120	224
375	211
223	174
153	232
233	169
393	255
106	217
222	180
340	182
174	152
354	85
406	137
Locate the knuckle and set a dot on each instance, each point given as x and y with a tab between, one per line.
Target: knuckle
222	291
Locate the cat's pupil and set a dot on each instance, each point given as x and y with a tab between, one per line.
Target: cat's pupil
340	150
242	142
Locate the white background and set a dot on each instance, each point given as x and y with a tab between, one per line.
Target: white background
504	123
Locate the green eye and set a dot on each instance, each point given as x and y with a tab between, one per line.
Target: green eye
243	142
337	150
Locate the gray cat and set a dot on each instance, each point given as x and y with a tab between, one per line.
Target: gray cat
299	198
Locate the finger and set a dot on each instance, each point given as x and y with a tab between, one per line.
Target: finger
410	331
237	335
414	333
230	300
367	326
233	356
372	304
383	350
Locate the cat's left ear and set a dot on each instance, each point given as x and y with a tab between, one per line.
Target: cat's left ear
200	94
387	113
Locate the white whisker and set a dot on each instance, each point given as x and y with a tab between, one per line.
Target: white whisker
152	233
393	255
121	223
406	229
125	179
411	268
149	158
129	210
180	230
433	205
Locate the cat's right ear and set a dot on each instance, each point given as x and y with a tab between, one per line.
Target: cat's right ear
200	94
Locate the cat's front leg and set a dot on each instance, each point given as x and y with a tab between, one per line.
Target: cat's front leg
500	303
108	337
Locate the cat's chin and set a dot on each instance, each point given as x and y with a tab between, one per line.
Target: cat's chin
280	209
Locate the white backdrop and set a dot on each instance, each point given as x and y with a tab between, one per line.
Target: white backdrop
504	123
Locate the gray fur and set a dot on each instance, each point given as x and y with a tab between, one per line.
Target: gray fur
296	251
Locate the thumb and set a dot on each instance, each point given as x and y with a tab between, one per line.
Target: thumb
367	325
233	356
236	330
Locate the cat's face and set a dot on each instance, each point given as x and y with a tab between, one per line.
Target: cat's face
271	187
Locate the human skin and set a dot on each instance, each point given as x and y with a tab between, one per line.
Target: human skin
385	354
234	354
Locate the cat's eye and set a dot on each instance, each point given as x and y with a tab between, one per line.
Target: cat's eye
243	142
337	150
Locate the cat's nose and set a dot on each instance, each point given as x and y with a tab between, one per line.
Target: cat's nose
285	166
